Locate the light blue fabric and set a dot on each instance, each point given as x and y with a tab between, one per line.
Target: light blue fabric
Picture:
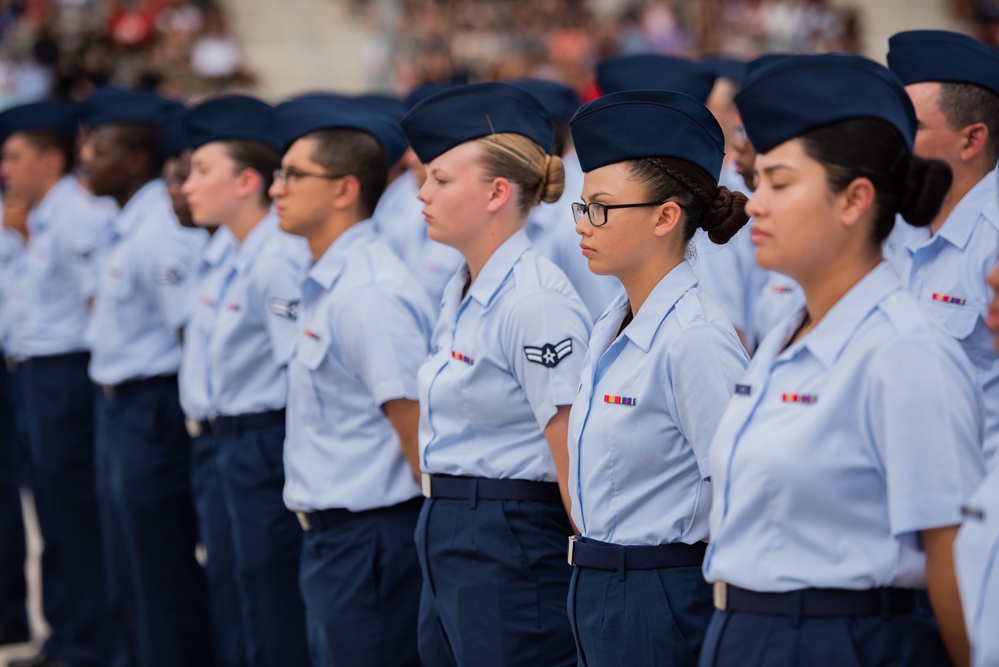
976	555
58	271
243	323
778	298
503	359
11	255
364	324
835	452
143	290
953	264
638	473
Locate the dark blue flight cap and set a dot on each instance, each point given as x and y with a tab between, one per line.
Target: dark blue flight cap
722	67
560	100
170	130
125	106
60	118
917	56
647	123
384	104
802	93
651	71
230	117
463	113
300	116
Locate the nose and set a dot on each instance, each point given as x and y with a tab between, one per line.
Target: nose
277	189
754	206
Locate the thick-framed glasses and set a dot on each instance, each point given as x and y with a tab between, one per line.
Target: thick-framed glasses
597	213
284	176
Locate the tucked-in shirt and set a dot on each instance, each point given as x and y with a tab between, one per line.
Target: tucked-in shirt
946	272
143	290
364	324
646	410
58	272
552	232
976	558
243	323
398	217
835	452
504	357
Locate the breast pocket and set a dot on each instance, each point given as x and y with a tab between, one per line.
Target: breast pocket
307	395
958	320
115	285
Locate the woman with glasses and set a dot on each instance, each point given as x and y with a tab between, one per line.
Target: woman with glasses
841	464
495	392
661	365
233	384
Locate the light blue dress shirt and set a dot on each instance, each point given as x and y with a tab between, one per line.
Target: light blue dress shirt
398	217
504	357
834	453
143	290
646	411
552	232
364	324
779	297
11	254
946	272
59	271
243	323
976	557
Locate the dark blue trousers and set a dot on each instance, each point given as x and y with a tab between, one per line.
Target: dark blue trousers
267	546
741	639
13	589
361	584
59	414
215	531
145	455
495	582
639	617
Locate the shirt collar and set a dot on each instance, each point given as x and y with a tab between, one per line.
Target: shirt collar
827	340
328	268
218	247
42	214
659	304
498	267
132	213
960	224
255	241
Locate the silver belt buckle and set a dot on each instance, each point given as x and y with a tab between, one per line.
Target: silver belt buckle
721	595
303	520
572	547
426	485
193	427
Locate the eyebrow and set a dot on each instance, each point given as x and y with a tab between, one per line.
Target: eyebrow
595	195
771	169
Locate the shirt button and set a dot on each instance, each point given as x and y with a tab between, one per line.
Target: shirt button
921	272
940	320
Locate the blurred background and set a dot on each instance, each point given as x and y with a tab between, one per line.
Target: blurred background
274	48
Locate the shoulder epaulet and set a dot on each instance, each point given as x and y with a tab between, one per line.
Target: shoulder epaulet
525	273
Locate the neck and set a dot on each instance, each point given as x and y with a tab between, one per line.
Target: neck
129	191
327	233
824	288
639	283
484	247
45	189
245	220
964	181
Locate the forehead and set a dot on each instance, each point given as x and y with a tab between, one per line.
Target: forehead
791	153
925	97
461	156
611	179
17	143
211	153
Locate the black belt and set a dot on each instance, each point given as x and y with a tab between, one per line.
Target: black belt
602	556
113	391
235	424
816	602
49	362
482	488
329	518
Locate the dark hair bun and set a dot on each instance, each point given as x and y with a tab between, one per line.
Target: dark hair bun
925	184
726	215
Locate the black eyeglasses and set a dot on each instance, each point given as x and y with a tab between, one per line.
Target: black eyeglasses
597	213
284	176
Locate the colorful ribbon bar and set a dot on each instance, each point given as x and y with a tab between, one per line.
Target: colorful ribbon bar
620	400
781	289
312	334
949	299
799	398
461	357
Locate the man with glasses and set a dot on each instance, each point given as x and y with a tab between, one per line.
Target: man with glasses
350	455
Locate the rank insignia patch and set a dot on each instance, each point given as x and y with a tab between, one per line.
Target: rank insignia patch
170	275
549	355
283	308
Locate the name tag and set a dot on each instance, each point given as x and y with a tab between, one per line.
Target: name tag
969	512
743	389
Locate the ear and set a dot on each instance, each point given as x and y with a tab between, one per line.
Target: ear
500	192
247	182
346	192
857	199
670	218
974	137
